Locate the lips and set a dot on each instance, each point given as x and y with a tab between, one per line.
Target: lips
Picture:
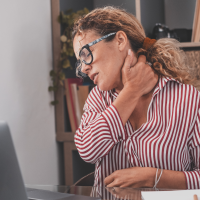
93	76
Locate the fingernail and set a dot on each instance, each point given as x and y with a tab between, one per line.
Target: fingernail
129	52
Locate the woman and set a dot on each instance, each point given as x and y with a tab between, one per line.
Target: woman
141	125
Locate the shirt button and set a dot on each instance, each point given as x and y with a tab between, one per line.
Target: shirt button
119	137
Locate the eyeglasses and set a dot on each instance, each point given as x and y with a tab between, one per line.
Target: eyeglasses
86	56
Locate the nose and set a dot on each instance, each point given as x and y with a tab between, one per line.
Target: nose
85	68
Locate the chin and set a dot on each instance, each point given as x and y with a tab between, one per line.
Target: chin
105	87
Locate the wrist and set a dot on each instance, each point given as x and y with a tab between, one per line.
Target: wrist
125	103
151	173
131	92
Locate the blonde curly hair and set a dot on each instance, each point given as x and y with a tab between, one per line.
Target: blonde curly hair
165	55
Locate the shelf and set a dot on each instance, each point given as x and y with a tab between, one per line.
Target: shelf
190	44
65	136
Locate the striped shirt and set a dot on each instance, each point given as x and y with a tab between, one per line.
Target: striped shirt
170	139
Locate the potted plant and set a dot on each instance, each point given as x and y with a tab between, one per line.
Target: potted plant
66	20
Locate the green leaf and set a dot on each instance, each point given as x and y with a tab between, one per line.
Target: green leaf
60	17
72	53
50	88
66	20
70	44
64	47
86	10
54	102
62	76
66	64
69	11
61	82
52	73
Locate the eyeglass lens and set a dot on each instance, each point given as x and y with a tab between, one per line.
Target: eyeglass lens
85	56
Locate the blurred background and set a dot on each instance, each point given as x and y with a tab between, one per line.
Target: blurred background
29	49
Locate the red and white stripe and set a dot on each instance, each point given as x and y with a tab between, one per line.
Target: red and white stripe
170	139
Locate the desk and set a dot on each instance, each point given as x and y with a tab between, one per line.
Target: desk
103	193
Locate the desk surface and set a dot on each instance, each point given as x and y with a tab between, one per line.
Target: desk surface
103	193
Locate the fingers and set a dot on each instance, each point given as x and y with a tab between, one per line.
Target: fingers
112	180
134	58
116	190
109	179
142	58
131	60
128	59
113	184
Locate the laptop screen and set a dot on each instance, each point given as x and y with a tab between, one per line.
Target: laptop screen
11	182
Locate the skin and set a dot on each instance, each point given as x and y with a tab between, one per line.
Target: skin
118	67
101	64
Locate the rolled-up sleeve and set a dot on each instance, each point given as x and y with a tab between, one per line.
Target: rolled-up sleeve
100	129
193	177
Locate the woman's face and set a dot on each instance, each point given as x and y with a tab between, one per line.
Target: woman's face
108	59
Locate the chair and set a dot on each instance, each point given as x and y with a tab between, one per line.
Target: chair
87	180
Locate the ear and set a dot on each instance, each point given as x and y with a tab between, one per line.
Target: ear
122	40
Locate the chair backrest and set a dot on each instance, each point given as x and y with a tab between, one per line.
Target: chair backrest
87	180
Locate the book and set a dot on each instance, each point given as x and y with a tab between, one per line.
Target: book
70	101
79	96
77	107
83	92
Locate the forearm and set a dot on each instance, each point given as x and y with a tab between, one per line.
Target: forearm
94	140
138	79
92	150
125	103
169	179
98	133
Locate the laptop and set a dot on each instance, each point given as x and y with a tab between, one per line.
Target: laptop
11	182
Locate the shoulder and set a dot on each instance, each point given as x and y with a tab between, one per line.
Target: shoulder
187	94
177	92
185	89
175	86
96	99
96	93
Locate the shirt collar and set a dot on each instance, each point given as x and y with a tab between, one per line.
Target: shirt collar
114	93
161	84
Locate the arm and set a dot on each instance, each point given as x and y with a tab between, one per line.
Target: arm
193	177
145	176
101	128
139	177
138	79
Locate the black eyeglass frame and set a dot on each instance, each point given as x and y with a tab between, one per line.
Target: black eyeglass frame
91	44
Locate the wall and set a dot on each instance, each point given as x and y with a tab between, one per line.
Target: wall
76	5
179	13
152	12
25	62
173	13
128	5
